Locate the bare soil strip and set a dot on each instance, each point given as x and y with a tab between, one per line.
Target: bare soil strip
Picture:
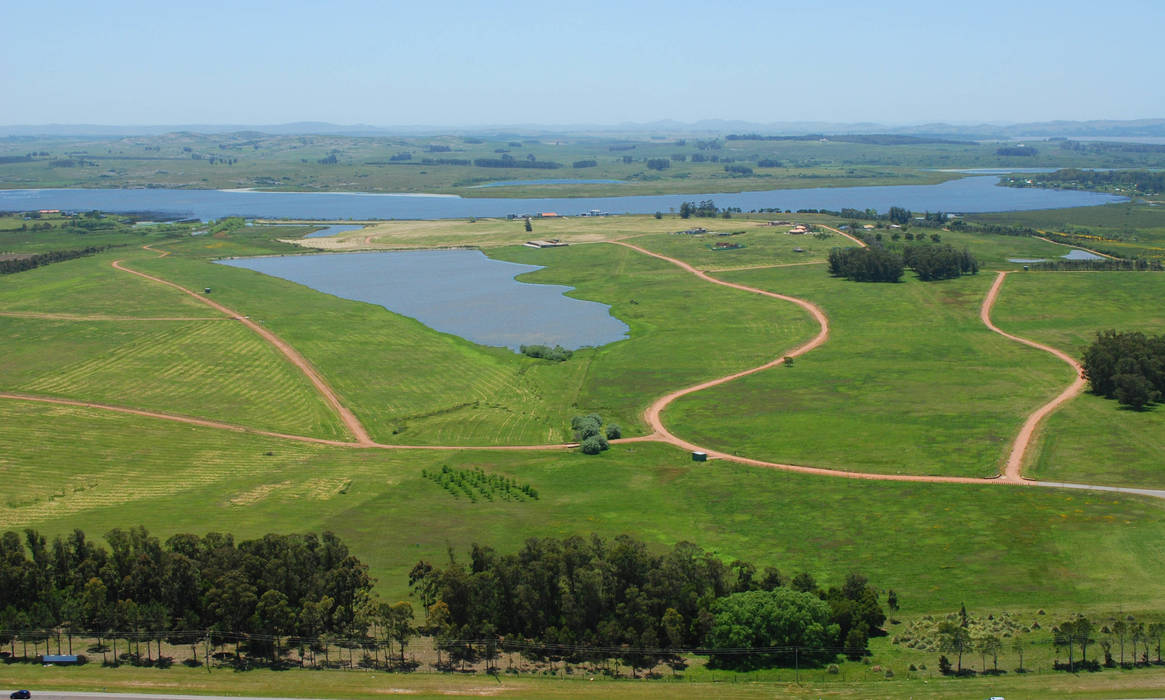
1012	472
346	416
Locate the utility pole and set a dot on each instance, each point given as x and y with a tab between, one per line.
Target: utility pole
796	664
207	651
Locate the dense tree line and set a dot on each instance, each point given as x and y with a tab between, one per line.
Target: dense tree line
561	596
1106	265
939	262
872	139
1016	151
444	161
1147	182
738	170
658	163
585	163
1127	366
1111	147
508	161
14	265
873	264
138	587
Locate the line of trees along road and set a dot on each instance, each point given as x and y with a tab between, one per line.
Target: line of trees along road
559	598
573	599
259	590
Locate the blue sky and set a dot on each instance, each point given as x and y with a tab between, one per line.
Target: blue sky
479	63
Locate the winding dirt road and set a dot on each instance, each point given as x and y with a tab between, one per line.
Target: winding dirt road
652	415
353	424
1014	467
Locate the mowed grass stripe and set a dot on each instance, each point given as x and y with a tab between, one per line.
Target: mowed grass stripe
406	382
208	369
91	286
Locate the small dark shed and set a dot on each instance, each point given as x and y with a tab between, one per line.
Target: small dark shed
699	456
206	290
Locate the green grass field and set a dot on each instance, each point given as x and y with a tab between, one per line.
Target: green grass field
997	546
910	381
1092	439
413	386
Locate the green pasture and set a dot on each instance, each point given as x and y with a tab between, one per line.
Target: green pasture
993	545
1126	230
910	382
764	245
1091	439
411	385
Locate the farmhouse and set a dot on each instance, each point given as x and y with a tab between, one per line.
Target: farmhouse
799	230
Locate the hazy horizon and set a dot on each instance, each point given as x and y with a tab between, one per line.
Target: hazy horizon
460	65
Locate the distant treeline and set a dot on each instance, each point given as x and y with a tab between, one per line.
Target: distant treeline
1112	147
873	139
1107	265
1016	151
1128	367
1147	182
507	161
8	267
577	599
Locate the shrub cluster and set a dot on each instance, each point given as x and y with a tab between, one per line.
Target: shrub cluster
588	430
545	352
1128	366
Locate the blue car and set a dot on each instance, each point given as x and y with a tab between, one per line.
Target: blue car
20	695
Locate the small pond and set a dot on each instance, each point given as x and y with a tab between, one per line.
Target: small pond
333	230
1074	254
454	291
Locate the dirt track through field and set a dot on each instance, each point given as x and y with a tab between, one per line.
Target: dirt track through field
1014	467
652	415
346	416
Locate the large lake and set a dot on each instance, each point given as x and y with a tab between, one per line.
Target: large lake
454	291
970	194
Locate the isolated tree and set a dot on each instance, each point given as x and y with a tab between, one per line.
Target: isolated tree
529	226
955	639
1018	645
